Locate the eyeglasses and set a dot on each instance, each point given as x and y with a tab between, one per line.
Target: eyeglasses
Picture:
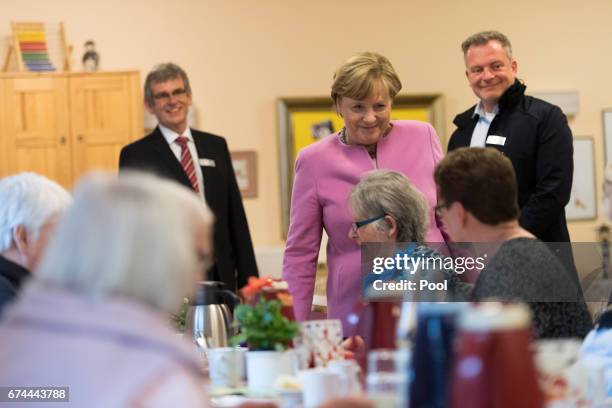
358	224
179	93
438	208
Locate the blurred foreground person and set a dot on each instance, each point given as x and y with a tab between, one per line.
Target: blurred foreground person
30	206
96	316
478	203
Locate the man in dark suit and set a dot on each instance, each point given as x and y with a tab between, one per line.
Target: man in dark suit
532	133
200	161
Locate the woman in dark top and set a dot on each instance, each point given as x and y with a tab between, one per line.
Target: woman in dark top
478	204
524	268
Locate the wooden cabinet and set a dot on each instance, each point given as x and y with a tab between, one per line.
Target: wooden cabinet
36	127
63	125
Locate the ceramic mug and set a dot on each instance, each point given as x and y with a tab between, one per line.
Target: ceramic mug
320	385
265	367
564	376
320	342
349	372
226	366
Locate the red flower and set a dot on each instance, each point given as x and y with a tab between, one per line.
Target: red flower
255	286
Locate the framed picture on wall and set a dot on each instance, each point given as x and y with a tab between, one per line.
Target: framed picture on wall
607	134
245	168
583	198
303	121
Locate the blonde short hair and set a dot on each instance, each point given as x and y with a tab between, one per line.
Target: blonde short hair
132	236
358	76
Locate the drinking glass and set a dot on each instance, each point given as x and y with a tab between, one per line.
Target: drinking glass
386	381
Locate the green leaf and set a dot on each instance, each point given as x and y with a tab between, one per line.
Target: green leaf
263	326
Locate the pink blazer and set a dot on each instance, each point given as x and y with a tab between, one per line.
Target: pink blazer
325	173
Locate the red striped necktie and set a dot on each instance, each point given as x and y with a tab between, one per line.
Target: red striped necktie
187	162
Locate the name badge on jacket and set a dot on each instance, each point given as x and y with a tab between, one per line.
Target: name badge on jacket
207	162
496	140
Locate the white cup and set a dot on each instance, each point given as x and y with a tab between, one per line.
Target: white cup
320	341
349	372
266	366
226	366
320	385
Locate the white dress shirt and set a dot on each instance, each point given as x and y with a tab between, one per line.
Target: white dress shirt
479	136
171	136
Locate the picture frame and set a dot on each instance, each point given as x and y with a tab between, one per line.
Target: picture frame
245	168
583	198
304	120
606	118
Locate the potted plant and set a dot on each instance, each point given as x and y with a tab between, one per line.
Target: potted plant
267	332
179	318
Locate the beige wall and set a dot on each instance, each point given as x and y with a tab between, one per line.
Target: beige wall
243	54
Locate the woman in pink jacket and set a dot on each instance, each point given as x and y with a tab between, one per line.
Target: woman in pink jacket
325	172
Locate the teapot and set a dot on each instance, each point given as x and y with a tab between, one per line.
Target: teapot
209	317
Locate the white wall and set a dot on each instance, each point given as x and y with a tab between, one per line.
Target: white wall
242	55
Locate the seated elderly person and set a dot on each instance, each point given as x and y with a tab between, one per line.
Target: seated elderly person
96	316
29	208
477	196
387	208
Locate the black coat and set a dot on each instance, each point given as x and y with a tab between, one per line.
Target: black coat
233	249
12	277
539	144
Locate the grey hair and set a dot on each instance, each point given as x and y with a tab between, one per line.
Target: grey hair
28	200
133	236
483	37
391	193
162	73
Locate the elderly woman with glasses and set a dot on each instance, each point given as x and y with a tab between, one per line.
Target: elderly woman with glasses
325	172
387	208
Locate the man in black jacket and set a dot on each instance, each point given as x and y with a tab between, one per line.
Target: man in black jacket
30	206
200	161
532	133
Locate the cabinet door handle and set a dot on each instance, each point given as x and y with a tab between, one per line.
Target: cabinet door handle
62	140
80	138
